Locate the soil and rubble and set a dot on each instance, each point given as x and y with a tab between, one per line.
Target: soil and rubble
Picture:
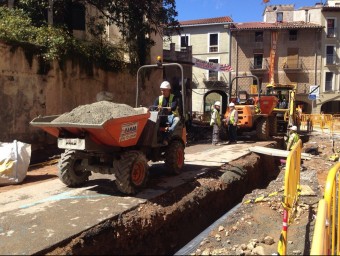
255	228
165	224
97	113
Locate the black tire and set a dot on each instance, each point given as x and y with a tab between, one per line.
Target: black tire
71	172
272	125
131	172
262	129
174	157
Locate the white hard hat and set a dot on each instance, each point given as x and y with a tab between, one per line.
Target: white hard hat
232	104
217	103
165	85
293	128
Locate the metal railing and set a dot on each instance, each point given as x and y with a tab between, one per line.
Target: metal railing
293	64
326	237
259	65
291	192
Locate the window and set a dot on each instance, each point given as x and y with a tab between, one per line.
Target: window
259	36
258	59
184	42
329	81
330	55
213	42
279	16
331	28
292	35
213	75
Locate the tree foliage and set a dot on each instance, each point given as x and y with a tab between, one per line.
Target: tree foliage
137	20
55	43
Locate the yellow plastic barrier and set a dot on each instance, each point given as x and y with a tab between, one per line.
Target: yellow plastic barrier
291	192
322	121
326	237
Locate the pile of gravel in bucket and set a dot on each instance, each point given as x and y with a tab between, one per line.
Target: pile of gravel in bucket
96	113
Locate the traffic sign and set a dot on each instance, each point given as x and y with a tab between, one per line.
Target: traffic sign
312	97
314	90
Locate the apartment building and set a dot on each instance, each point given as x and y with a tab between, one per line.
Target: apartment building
279	50
210	42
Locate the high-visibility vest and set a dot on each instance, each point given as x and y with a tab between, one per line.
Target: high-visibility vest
232	116
293	137
171	97
218	117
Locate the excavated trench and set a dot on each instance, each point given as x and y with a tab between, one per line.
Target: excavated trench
167	223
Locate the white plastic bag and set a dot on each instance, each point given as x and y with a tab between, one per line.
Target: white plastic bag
14	161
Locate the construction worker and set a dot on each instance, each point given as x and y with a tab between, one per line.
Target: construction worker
293	137
167	103
215	122
231	122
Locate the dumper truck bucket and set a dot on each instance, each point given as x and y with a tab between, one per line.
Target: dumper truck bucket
118	132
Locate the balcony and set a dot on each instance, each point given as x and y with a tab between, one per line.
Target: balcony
330	59
331	32
171	55
293	66
213	81
259	67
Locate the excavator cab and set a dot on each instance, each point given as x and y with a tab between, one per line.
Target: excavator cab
284	111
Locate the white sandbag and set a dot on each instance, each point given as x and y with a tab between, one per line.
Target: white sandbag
14	161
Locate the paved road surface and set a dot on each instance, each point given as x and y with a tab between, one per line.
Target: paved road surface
35	217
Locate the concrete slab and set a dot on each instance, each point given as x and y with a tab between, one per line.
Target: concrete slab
35	217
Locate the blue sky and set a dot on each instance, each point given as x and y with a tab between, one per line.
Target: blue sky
238	10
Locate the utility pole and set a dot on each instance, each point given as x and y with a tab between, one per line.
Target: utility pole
10	3
50	13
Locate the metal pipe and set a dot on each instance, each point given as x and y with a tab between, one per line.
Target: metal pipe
157	66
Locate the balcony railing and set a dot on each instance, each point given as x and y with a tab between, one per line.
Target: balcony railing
331	32
213	81
293	65
328	86
330	59
258	66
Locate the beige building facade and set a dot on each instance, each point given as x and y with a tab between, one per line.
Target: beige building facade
210	42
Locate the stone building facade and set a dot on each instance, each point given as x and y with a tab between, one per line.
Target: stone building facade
296	59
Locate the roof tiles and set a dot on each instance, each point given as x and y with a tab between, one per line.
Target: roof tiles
217	20
276	25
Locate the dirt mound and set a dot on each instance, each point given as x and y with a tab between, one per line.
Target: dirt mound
96	113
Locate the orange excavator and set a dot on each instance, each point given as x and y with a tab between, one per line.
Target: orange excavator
255	111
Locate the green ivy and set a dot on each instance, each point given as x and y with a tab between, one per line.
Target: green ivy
55	43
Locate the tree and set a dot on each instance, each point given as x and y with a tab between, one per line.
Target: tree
137	20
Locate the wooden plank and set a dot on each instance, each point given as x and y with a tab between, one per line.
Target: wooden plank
276	152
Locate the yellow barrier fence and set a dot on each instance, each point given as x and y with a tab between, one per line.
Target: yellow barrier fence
322	121
326	237
291	192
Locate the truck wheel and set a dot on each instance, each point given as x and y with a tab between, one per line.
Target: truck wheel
174	157
131	172
71	173
262	129
272	125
